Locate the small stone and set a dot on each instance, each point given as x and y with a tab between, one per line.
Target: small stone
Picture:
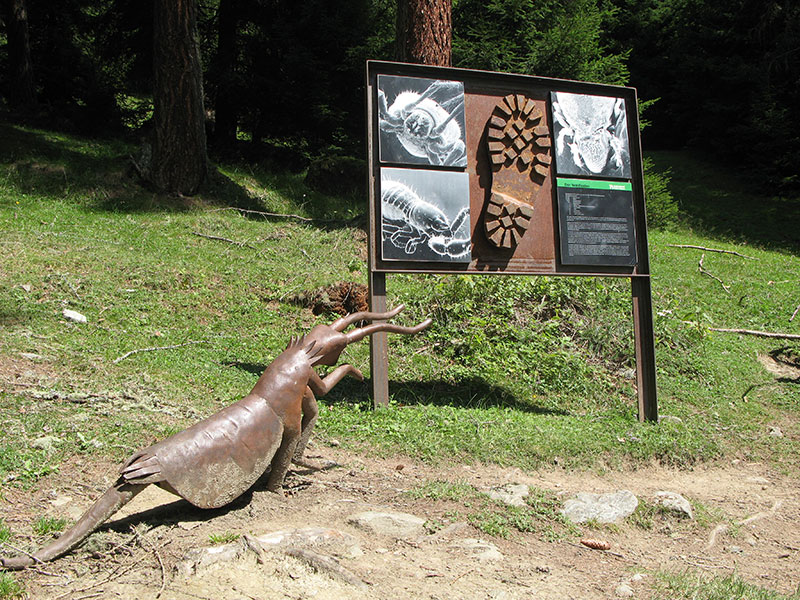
512	494
735	550
624	591
775	432
638	577
31	356
26	287
334	442
47	442
669	419
60	501
604	508
758	480
675	503
75	317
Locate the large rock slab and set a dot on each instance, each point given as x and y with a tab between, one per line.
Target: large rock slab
603	508
394	524
479	549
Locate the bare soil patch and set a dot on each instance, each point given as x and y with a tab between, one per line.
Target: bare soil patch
754	532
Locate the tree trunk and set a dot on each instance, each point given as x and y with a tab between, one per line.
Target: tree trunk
425	32
225	101
21	90
179	160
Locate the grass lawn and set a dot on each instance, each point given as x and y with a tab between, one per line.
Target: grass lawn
220	293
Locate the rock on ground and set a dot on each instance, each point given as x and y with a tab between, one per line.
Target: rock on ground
603	508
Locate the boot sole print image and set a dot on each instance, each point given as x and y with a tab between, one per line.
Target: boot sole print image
518	141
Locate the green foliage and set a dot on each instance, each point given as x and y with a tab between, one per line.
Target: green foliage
519	371
10	589
216	539
550	38
45	525
690	585
5	532
726	76
661	205
541	514
443	490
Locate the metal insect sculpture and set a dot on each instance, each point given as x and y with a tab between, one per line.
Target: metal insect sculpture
594	129
216	460
409	221
424	127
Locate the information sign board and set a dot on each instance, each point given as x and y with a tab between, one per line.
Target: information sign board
477	172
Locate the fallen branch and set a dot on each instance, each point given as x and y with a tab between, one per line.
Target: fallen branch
223	239
700	268
766	334
163	570
326	564
722	527
710	250
288	216
794	314
154	348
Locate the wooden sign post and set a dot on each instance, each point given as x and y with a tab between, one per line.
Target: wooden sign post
474	172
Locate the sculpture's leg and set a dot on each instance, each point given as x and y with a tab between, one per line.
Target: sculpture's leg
322	386
310	412
283	458
98	513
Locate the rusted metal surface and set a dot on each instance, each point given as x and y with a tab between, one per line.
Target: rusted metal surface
505	185
216	460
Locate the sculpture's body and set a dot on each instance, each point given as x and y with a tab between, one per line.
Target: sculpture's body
216	460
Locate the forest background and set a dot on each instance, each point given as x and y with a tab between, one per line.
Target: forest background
283	81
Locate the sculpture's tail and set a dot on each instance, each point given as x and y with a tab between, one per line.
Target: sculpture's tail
109	503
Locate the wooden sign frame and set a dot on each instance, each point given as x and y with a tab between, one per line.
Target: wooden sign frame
476	172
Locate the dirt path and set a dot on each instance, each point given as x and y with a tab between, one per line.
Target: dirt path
753	532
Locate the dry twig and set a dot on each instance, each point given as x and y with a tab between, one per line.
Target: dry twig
223	239
794	314
710	250
287	216
722	527
766	334
154	348
115	573
163	571
700	268
326	564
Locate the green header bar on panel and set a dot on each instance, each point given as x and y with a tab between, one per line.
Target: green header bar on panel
592	184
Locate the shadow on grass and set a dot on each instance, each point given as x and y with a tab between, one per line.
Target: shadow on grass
252	368
465	393
103	173
722	203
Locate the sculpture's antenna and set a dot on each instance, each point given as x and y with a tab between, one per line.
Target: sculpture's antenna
358	334
340	324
